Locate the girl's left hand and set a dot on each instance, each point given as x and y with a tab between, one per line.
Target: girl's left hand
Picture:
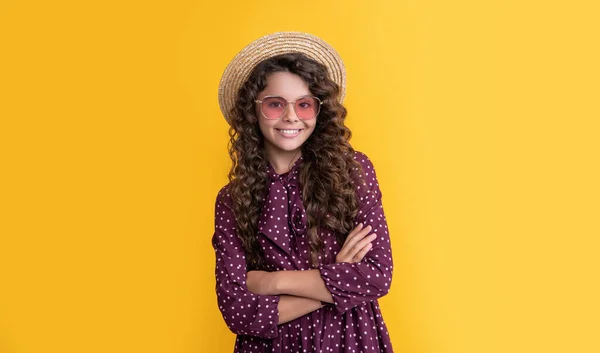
261	282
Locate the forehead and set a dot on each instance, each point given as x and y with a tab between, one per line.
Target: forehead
285	84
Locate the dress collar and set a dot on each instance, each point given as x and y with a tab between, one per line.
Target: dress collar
290	221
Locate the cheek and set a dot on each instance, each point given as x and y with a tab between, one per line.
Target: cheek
264	125
261	127
311	126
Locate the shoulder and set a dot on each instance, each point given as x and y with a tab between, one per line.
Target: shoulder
365	179
368	170
224	197
363	160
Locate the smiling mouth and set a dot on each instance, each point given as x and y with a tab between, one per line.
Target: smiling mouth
289	132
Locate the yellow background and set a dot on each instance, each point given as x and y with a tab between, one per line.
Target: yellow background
481	118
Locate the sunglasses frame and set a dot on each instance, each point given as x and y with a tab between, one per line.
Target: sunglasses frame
288	103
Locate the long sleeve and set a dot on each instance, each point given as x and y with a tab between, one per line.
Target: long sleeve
352	284
244	312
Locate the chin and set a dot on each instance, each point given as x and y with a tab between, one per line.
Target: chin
288	148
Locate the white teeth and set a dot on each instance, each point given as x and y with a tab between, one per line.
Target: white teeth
289	132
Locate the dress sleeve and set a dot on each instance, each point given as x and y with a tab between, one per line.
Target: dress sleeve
352	284
244	312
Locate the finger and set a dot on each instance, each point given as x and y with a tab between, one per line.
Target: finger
356	238
361	244
355	231
348	249
361	254
352	233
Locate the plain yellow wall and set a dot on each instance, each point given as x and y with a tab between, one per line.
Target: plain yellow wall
481	119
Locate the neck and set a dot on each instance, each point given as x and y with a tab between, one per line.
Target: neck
282	160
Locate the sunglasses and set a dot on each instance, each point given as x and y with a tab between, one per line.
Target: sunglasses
305	107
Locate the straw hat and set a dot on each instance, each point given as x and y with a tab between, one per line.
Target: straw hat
238	70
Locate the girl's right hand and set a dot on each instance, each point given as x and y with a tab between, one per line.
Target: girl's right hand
356	245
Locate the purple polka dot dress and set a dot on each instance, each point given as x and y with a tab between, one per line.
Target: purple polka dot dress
353	323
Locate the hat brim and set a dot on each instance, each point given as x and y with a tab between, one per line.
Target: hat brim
240	67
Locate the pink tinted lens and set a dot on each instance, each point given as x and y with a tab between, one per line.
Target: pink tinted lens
273	107
307	107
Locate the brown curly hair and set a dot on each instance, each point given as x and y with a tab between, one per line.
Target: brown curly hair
329	193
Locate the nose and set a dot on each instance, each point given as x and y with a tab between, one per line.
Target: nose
290	113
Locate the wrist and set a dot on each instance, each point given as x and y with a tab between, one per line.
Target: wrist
276	283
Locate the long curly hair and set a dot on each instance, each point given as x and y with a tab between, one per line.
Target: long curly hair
329	194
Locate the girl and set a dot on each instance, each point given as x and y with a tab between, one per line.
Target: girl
301	240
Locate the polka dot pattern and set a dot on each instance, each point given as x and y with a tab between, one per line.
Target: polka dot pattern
351	284
353	323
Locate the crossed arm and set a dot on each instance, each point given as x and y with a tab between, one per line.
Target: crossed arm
305	291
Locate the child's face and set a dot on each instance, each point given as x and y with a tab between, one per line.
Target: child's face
290	87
